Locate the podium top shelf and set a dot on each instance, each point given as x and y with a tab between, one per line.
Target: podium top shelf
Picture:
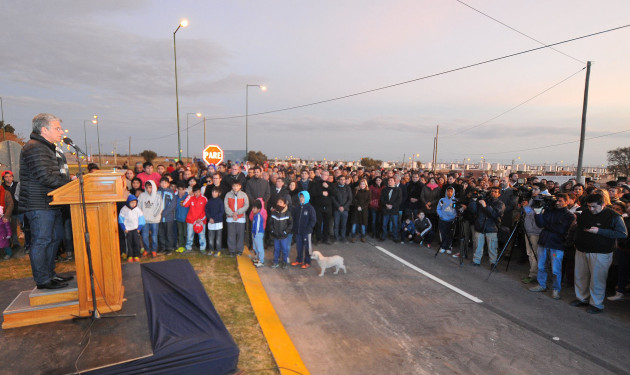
99	187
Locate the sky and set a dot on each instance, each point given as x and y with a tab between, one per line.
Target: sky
115	59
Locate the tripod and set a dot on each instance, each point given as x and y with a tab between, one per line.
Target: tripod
519	225
457	226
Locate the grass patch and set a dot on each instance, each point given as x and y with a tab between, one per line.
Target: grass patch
222	281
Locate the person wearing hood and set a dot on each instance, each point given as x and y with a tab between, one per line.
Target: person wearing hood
303	224
446	212
151	205
131	221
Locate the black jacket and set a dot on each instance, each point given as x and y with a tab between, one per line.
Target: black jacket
487	219
395	200
280	224
342	197
42	170
555	223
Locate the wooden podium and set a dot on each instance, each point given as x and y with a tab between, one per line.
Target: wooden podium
102	191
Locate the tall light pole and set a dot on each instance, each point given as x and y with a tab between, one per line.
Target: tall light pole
85	134
98	139
182	23
198	114
3	124
262	88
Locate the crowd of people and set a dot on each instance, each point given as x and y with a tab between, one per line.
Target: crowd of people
569	231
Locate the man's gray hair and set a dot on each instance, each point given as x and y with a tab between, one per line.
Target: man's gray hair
43	120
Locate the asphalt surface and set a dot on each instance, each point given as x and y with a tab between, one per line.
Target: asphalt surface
384	317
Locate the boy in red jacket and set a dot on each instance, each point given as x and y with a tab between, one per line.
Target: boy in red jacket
196	219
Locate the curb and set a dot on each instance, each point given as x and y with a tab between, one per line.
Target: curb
284	352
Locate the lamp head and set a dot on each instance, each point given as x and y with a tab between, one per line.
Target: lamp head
198	114
183	23
263	88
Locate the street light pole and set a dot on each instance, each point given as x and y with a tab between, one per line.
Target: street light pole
85	134
98	139
183	23
198	114
3	124
262	88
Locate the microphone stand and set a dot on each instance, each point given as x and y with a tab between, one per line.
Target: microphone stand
94	314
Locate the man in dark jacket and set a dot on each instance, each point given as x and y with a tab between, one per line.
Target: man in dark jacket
597	229
342	197
257	187
43	169
551	243
487	221
391	199
414	188
235	175
321	194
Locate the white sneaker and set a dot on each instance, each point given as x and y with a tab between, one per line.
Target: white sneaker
442	251
448	252
617	297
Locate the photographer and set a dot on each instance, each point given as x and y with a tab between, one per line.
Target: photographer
446	212
532	233
555	222
487	222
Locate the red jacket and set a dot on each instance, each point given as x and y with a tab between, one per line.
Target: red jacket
196	208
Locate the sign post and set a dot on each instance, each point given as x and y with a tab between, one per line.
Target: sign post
213	154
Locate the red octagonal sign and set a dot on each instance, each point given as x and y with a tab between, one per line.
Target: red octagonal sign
213	154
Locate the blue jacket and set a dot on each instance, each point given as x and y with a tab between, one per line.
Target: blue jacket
258	225
215	209
169	202
555	223
181	212
445	209
304	216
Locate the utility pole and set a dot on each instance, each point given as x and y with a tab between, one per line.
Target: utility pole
129	154
583	130
115	155
435	147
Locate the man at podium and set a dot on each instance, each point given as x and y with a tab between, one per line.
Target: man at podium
43	168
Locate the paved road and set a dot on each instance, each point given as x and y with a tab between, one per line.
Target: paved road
384	317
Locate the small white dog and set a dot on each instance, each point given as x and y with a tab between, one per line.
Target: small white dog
327	262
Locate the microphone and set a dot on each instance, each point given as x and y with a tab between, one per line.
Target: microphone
69	142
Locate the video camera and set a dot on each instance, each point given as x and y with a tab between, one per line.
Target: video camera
524	193
544	201
478	194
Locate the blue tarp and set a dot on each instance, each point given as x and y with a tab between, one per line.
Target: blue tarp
187	334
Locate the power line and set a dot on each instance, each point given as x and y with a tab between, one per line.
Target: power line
411	80
541	147
513	108
523	34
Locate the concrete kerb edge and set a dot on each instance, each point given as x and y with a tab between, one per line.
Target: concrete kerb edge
284	352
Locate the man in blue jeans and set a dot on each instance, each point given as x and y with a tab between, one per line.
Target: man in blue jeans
555	222
391	199
43	168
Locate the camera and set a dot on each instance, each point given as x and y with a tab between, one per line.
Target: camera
544	201
524	193
479	194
